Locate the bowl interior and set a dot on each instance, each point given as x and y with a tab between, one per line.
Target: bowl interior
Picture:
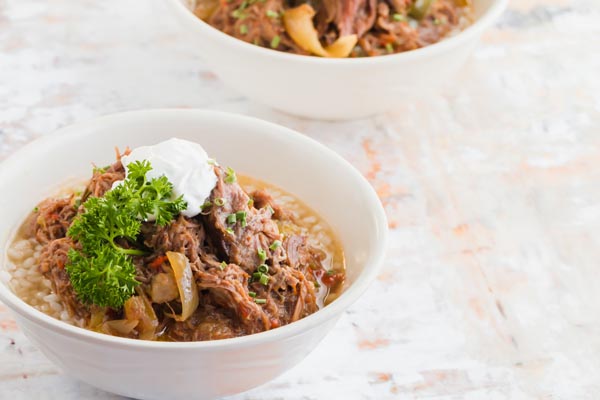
269	152
480	8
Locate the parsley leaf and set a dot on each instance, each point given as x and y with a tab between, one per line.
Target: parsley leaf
103	272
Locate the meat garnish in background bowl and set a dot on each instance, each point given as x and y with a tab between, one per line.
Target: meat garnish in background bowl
337	28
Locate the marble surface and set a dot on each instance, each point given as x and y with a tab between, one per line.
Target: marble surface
490	288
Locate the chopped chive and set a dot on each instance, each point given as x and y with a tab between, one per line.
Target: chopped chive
263	268
219	201
272	14
262	255
252	294
275	245
231	219
330	272
36	209
250	202
223	265
260	301
229	230
243	29
207	204
275	41
241	216
389	48
230	177
256	276
317	285
399	17
264	279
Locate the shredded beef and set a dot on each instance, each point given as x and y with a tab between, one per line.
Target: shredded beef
239	244
53	259
382	26
54	216
103	179
223	256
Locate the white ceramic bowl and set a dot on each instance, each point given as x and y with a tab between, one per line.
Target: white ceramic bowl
197	370
333	89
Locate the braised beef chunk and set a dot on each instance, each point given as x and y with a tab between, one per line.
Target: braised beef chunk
262	199
183	235
103	179
237	229
53	259
53	218
348	16
249	276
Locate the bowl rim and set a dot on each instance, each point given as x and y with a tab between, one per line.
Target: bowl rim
478	26
335	309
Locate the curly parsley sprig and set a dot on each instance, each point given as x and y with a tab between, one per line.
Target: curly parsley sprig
103	272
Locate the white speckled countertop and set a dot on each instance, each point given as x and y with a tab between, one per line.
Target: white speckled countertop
491	286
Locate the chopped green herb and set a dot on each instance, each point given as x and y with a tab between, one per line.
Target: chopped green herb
275	41
262	255
229	230
317	285
399	17
223	265
272	14
260	301
264	279
231	219
250	202
219	201
330	272
256	276
389	47
230	176
241	216
276	244
36	209
263	268
252	294
207	204
243	29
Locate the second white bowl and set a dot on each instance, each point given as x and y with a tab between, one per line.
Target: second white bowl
333	89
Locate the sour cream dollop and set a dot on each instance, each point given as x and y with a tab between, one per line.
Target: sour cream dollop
185	164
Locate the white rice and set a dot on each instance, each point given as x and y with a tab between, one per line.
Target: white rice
27	281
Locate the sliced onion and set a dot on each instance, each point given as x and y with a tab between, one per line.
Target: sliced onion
188	291
206	8
121	327
299	25
97	318
138	308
